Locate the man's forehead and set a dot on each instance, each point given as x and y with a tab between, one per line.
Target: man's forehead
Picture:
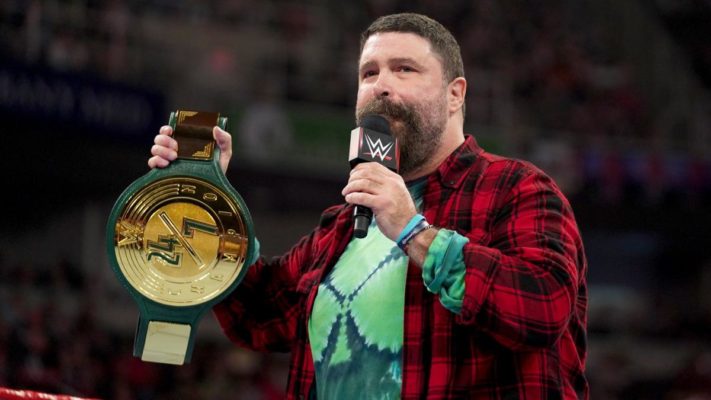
396	44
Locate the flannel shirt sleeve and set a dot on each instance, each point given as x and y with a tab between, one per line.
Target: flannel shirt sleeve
522	277
264	311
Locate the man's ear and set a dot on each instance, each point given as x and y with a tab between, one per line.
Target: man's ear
456	92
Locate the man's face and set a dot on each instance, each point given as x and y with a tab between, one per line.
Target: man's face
401	79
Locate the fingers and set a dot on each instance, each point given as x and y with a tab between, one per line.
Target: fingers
370	170
371	184
362	199
158	162
164	138
165	148
166	130
224	142
370	178
223	139
164	152
361	185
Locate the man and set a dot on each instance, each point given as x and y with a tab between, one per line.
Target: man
471	281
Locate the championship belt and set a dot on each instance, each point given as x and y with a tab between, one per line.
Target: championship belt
180	239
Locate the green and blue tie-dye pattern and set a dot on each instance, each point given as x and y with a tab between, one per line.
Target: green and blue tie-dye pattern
356	327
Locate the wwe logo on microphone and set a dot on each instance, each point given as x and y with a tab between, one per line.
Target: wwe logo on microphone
368	145
378	149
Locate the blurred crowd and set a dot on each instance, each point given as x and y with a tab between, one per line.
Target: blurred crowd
689	21
555	65
52	340
541	74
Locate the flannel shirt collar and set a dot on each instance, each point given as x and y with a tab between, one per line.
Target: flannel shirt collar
453	171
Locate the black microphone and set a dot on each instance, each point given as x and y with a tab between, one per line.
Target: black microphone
372	142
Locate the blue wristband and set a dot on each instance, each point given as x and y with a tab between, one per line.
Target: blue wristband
416	219
417	224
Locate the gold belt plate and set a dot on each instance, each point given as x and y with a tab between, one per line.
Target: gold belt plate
180	241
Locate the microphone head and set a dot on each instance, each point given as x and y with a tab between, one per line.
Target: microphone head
376	123
373	142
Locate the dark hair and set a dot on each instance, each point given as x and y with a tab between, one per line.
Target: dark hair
441	40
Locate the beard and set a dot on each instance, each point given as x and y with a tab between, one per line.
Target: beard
417	127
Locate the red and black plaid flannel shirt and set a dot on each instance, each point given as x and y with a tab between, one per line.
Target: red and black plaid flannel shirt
521	333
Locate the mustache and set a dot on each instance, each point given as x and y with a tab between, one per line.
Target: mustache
386	108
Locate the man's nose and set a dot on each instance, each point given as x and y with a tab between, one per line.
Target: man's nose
383	86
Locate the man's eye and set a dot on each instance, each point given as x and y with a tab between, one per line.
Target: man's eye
405	68
368	74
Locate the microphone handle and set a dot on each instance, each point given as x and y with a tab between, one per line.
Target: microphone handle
361	221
